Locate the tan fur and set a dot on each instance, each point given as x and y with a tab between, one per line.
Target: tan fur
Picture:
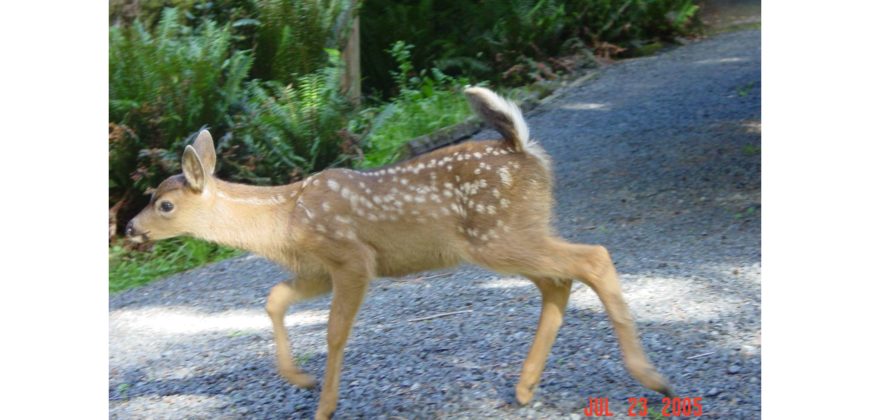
483	202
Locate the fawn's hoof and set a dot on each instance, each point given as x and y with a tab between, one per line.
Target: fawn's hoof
524	394
656	382
320	415
298	378
667	391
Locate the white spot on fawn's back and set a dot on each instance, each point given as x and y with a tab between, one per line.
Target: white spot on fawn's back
505	176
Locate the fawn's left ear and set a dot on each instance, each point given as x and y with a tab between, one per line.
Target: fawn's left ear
204	146
193	169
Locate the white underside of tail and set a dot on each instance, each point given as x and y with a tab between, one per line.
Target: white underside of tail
512	112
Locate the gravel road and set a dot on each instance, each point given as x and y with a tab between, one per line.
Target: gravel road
657	158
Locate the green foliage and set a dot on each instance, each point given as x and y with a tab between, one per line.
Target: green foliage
193	12
166	86
292	36
510	41
751	150
290	131
745	89
163	88
426	102
135	268
286	37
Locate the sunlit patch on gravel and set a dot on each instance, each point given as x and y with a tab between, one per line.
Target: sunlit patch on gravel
184	321
664	299
585	106
507	283
753	126
722	60
155	407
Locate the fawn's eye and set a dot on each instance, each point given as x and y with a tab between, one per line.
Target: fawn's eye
166	207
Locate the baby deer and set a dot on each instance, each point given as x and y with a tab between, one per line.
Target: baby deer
483	202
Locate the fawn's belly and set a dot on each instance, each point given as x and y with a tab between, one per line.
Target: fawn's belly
399	257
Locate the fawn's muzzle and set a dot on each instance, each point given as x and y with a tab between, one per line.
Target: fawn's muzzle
132	234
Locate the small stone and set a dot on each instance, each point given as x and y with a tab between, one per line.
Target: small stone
734	369
713	392
574	416
537	404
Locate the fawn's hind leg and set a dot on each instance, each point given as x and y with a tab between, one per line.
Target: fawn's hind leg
280	298
554	298
591	264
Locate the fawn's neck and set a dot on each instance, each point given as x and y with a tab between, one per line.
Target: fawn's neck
253	218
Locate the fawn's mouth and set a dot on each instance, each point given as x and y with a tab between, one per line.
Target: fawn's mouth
139	239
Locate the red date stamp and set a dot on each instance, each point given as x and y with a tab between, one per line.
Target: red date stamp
639	407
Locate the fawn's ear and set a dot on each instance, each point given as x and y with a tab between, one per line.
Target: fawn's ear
193	169
204	146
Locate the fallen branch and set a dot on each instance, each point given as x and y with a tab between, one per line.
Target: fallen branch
658	192
435	276
420	279
700	355
440	315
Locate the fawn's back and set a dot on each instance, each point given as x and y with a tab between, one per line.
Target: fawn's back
432	211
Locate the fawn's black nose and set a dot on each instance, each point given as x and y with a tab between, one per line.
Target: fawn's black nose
129	231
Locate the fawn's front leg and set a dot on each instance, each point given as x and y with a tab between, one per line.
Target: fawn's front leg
348	292
280	298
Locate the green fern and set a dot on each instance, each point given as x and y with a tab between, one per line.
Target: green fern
168	85
162	88
293	35
292	130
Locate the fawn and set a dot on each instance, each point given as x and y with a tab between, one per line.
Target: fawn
482	202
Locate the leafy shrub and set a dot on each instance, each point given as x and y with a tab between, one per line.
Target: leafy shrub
292	36
426	102
286	37
194	12
172	76
510	41
290	131
163	88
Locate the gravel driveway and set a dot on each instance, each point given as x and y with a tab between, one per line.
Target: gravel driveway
657	159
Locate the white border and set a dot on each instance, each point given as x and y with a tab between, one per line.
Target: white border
54	293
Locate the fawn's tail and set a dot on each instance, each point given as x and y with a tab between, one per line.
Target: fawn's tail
506	118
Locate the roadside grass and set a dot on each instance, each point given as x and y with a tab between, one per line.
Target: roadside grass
751	150
128	269
405	119
745	89
656	415
746	213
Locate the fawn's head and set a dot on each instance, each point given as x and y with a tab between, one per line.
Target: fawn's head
180	205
